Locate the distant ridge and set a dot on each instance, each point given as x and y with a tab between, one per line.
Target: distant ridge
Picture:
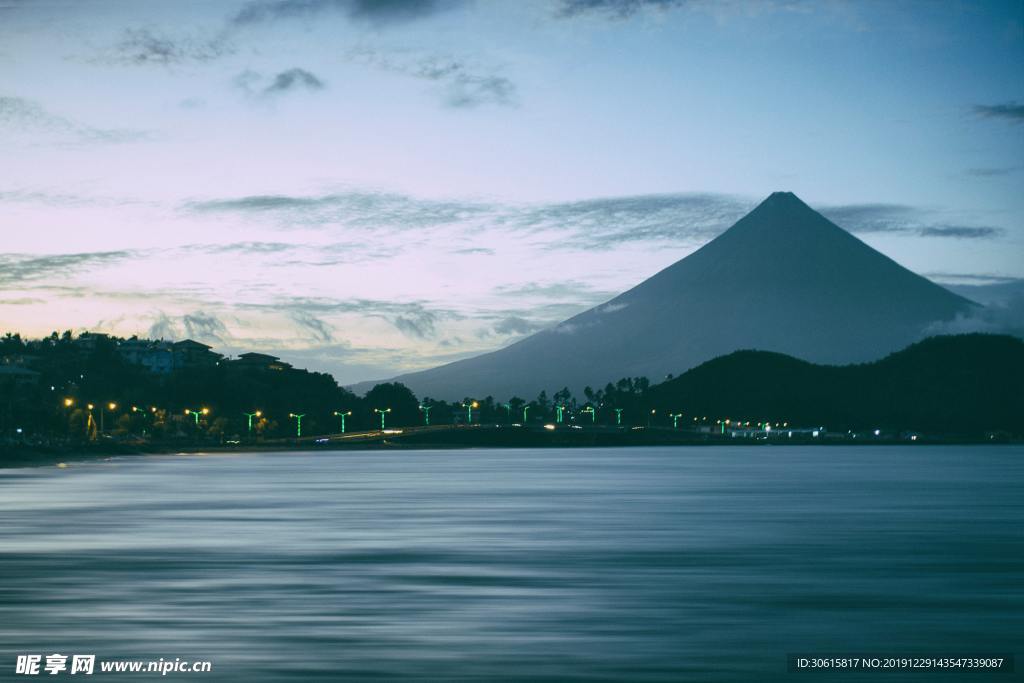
783	278
958	384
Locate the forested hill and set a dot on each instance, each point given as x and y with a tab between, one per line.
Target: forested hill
961	384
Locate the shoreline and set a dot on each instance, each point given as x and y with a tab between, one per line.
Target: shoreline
461	438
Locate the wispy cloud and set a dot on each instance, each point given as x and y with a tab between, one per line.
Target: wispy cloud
461	82
321	331
15	269
294	79
204	326
959	231
992	171
20	116
1007	111
514	325
601	224
145	46
619	9
902	219
359	209
376	12
291	80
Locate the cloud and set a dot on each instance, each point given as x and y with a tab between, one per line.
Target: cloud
990	172
901	219
469	90
322	332
200	325
461	83
294	79
143	46
959	231
475	251
22	116
377	12
565	289
600	224
516	325
356	209
419	325
1004	317
1007	111
25	301
618	9
241	248
17	268
163	328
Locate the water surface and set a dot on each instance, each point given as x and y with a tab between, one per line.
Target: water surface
648	564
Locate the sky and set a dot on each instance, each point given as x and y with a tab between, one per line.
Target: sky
371	187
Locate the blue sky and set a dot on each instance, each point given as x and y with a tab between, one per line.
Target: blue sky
372	187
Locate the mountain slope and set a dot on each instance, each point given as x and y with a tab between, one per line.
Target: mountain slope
964	384
783	278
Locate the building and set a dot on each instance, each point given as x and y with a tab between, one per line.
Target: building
156	356
14	377
260	362
189	354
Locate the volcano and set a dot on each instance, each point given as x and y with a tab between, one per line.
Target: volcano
783	278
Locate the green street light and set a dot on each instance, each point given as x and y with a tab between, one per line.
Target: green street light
559	410
426	414
258	413
525	408
593	413
675	419
382	411
618	416
196	413
298	423
508	409
469	410
342	415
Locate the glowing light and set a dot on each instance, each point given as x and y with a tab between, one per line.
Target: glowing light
298	423
549	427
68	402
342	415
382	412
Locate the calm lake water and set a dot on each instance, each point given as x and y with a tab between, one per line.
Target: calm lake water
652	564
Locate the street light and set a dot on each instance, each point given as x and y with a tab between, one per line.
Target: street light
298	423
342	415
559	409
68	402
593	413
469	410
258	413
426	414
112	406
196	413
675	419
525	408
382	411
618	416
508	409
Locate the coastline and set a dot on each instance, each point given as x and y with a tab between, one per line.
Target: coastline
457	438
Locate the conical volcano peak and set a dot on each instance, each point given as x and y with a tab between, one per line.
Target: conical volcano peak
785	201
783	215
